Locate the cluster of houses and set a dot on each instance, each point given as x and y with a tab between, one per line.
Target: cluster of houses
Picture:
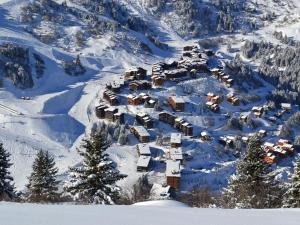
135	74
222	77
109	96
173	159
274	152
214	100
141	98
176	122
110	113
192	61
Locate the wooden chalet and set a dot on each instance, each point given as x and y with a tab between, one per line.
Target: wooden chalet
114	87
213	107
110	97
145	120
176	103
167	118
136	74
139	85
134	99
175	140
110	112
143	149
227	141
100	113
173	174
205	136
158	80
143	163
233	100
270	158
140	133
175	74
257	111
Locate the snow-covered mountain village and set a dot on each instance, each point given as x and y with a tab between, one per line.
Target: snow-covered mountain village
150	104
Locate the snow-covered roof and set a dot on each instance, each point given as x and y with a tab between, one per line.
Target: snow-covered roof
173	168
143	149
176	138
176	154
143	161
178	100
141	131
286	105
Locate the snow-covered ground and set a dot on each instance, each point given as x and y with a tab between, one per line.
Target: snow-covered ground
151	213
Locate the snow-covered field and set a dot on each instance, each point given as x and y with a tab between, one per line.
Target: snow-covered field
150	213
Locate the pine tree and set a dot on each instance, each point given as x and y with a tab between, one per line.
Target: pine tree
42	184
253	186
6	187
292	196
95	180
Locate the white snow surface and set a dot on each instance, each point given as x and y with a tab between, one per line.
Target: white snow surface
154	213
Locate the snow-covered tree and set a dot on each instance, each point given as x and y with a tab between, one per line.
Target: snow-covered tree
43	184
6	186
292	196
94	181
252	186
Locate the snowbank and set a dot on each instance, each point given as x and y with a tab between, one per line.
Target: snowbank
166	213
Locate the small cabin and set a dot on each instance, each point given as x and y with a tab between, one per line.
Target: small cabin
233	100
173	174
110	112
143	149
270	158
110	97
135	74
213	107
187	129
134	100
140	133
176	74
167	118
257	111
158	80
100	113
204	136
119	118
139	85
143	163
145	120
175	140
176	103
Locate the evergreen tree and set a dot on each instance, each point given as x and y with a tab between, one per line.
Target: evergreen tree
252	186
95	180
292	196
42	184
6	187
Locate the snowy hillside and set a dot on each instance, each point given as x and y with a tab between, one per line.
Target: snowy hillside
169	213
58	109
